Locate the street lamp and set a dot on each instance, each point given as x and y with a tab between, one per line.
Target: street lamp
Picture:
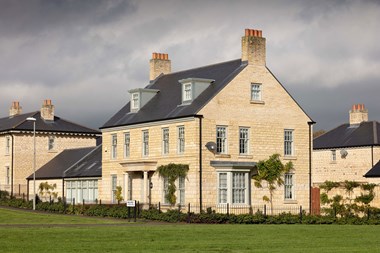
34	160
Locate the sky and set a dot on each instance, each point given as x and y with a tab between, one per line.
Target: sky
85	55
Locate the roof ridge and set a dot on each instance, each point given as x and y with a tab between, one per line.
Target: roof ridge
201	67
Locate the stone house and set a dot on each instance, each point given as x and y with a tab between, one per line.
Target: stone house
53	135
76	174
220	120
350	152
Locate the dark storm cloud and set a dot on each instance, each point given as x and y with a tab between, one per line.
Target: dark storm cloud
85	55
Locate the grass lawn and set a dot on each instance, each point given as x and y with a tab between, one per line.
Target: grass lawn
93	235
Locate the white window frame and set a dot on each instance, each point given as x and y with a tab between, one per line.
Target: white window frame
244	134
187	92
256	92
165	140
333	155
82	189
180	192
135	100
181	139
127	144
145	143
7	145
221	140
289	186
288	142
51	142
113	146
235	194
113	187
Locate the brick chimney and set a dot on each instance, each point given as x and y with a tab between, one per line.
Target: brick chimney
47	110
15	109
253	47
358	114
159	64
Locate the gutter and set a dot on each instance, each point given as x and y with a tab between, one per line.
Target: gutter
200	162
12	159
310	123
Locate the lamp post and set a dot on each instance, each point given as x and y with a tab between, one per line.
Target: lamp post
34	160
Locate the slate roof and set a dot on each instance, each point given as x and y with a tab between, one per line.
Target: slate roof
19	122
374	172
344	136
73	163
166	103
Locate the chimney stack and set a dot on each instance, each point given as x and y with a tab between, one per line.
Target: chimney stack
47	110
358	114
253	47
15	109
159	64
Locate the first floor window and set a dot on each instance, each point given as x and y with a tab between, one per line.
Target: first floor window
181	139
127	144
165	141
333	155
221	139
145	148
7	145
233	187
51	143
288	142
243	140
113	146
288	184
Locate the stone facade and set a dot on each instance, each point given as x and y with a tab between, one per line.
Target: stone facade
266	120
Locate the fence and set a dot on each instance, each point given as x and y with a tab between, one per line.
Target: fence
19	190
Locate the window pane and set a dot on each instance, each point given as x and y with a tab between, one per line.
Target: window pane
255	92
221	140
288	142
145	143
165	140
238	188
181	139
127	144
243	141
113	146
181	189
222	188
165	190
288	186
51	143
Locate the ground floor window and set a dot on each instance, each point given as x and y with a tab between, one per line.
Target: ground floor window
289	186
233	187
80	190
180	193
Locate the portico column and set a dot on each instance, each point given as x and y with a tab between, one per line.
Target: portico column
126	185
145	195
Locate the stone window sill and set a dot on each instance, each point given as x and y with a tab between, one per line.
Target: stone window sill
245	156
290	157
259	102
222	156
290	201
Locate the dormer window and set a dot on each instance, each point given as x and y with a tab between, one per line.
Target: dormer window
192	88
187	96
135	101
140	97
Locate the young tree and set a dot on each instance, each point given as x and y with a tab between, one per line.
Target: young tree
272	172
118	194
47	190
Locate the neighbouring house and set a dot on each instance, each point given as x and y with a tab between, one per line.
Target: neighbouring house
349	152
220	120
53	135
75	173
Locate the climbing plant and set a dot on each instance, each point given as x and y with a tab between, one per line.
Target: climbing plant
47	190
172	172
271	171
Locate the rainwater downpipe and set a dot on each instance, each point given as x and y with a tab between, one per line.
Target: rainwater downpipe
200	161
310	123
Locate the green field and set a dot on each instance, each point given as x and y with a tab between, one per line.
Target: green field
22	231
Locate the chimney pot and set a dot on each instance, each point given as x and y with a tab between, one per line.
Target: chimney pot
15	109
253	47
358	114
47	110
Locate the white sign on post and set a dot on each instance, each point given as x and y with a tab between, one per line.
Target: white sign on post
131	203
